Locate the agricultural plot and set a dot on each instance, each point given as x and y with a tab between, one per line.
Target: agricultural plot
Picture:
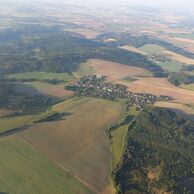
40	76
25	170
151	48
160	86
114	71
78	143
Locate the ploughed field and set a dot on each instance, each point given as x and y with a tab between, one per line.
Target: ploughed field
78	143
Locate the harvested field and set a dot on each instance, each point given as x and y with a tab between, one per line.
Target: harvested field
114	71
132	49
160	86
78	143
179	58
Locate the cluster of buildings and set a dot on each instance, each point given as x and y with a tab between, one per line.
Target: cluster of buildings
95	86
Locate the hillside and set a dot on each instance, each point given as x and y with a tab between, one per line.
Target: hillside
159	155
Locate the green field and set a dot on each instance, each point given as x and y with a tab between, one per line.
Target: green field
41	76
188	86
79	142
172	66
24	170
186	36
152	48
118	143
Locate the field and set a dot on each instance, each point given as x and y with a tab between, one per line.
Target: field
41	76
188	87
151	48
172	66
133	49
160	86
118	142
25	170
114	71
179	58
45	89
78	143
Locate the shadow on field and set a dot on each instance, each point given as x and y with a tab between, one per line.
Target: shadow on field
12	132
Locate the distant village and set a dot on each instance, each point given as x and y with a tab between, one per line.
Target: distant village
96	86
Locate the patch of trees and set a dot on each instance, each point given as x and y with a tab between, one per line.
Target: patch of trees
180	78
159	155
54	117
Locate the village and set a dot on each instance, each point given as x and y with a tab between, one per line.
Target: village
96	86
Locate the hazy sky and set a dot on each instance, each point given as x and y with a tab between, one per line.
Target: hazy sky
138	2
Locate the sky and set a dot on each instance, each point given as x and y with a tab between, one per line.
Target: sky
166	3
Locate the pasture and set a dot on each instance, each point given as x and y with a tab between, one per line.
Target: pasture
40	76
149	49
25	170
171	66
78	143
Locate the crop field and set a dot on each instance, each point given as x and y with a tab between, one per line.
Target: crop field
78	143
41	76
179	58
114	71
160	86
188	86
132	49
25	170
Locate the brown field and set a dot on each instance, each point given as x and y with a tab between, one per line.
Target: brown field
160	86
114	71
179	58
78	143
133	49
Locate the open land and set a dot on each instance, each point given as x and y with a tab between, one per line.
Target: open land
78	143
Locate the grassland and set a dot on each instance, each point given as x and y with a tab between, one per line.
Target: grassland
26	170
151	48
188	86
41	76
78	142
172	66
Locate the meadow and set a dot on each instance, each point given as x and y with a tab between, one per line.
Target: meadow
26	170
40	76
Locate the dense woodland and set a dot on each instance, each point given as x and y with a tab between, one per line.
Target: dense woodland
141	40
53	50
180	78
159	155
